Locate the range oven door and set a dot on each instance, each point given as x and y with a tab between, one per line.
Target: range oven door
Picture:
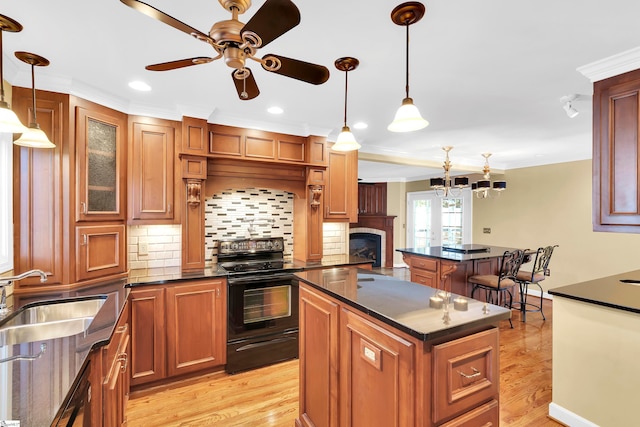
262	321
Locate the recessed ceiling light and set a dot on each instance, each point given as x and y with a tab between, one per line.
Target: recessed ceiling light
139	85
275	110
360	125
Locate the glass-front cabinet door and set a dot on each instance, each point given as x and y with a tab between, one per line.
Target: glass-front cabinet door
100	137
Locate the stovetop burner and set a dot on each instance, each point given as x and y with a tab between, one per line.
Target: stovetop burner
251	255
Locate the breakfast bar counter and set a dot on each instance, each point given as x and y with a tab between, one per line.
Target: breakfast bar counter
449	267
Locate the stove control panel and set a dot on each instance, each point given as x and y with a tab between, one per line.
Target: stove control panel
269	244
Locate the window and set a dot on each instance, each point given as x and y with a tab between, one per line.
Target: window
437	221
6	203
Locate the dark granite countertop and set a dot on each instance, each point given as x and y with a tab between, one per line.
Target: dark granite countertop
34	392
142	279
607	291
400	304
440	253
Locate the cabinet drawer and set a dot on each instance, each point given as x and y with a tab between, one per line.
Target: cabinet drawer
425	264
465	374
424	279
487	415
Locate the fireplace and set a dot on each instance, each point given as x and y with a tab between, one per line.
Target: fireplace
366	245
382	227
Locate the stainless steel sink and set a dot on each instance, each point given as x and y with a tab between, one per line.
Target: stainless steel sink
49	321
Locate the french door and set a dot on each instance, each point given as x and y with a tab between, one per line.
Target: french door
438	221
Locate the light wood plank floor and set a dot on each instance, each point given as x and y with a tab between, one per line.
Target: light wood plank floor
268	397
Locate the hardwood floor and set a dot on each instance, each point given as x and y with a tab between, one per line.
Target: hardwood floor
268	397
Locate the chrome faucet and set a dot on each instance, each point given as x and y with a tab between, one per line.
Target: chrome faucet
6	281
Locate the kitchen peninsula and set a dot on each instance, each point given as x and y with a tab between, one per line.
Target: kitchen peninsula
449	267
374	352
596	347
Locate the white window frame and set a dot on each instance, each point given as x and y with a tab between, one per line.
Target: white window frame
6	202
436	226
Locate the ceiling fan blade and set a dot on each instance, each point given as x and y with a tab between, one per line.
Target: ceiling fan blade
300	70
247	85
163	17
273	19
181	63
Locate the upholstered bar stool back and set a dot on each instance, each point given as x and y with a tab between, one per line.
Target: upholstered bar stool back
537	274
498	287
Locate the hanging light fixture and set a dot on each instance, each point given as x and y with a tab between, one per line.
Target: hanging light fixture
442	186
407	117
482	187
9	122
346	141
34	137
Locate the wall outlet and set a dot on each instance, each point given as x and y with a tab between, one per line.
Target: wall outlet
143	248
486	230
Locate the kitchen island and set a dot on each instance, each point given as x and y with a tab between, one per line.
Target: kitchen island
380	351
449	268
596	348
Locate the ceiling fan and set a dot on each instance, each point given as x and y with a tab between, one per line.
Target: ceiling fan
236	42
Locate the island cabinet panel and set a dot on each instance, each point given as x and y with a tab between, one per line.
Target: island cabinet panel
148	340
151	170
465	374
195	337
616	151
319	349
377	368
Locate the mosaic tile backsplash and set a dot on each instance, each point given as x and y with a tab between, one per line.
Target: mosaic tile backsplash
243	213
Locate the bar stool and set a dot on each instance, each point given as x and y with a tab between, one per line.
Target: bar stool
526	278
498	286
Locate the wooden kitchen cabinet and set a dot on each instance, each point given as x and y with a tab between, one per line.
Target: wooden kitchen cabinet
100	250
616	150
372	198
196	327
100	162
177	329
115	368
341	195
151	169
358	371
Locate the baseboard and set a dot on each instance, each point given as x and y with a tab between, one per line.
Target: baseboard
537	293
567	417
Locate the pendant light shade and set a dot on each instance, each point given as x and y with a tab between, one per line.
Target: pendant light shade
346	141
33	137
407	117
9	121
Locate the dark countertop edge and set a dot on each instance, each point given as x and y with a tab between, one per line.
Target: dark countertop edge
493	320
212	273
619	295
101	336
438	253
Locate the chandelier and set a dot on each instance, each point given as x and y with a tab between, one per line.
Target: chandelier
442	186
482	187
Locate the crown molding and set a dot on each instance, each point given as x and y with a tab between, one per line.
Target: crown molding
611	66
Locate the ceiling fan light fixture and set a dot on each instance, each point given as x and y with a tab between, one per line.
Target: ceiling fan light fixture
407	118
34	137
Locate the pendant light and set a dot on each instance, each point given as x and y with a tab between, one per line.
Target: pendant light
346	141
9	122
34	137
407	117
